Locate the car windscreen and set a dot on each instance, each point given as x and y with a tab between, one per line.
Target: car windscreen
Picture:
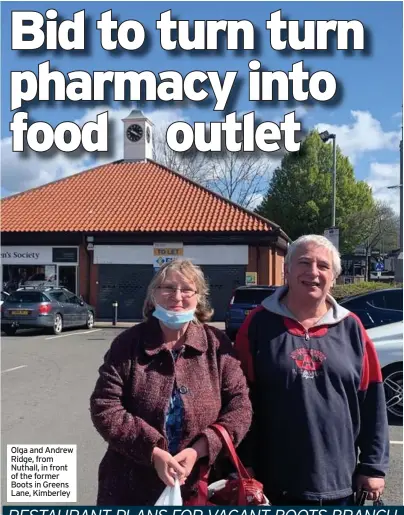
251	297
19	297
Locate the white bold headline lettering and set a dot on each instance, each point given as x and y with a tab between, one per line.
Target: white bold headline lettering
106	25
57	35
206	33
32	30
80	85
315	33
234	135
67	136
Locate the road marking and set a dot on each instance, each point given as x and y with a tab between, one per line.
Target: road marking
15	368
396	442
73	334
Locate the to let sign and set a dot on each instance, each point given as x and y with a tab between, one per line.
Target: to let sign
165	252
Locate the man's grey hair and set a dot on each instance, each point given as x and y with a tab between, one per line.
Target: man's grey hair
319	241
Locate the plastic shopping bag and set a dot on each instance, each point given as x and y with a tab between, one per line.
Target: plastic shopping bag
171	496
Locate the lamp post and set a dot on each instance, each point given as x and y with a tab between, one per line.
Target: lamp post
325	136
398	274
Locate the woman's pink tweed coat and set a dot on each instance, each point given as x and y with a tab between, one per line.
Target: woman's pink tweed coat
131	398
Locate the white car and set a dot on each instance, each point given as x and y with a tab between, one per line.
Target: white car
388	340
4	296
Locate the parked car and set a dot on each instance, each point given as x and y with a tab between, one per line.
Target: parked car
51	308
243	300
378	307
388	340
4	296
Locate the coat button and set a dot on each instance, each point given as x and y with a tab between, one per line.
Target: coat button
183	390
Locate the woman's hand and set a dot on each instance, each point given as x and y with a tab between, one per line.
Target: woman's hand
201	447
167	467
187	459
189	456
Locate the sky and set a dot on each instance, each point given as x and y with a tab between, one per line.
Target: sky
366	117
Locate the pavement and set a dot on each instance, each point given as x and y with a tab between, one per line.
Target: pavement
46	385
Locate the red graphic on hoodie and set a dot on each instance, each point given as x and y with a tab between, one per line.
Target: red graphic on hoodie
309	361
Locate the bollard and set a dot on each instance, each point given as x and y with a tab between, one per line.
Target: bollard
115	313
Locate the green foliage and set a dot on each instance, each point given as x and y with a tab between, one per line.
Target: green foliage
374	228
299	193
339	291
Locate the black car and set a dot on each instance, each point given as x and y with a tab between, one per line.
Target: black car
376	308
50	308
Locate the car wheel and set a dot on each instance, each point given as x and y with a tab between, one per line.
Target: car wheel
57	324
90	320
10	331
393	388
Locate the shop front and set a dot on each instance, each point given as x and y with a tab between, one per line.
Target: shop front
125	271
39	266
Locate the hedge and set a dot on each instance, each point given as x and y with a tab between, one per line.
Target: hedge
339	291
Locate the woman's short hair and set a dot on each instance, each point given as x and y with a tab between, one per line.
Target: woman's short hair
320	241
203	312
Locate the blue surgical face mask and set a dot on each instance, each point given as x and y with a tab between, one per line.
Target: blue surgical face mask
173	319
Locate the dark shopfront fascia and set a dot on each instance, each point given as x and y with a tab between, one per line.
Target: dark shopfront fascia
39	265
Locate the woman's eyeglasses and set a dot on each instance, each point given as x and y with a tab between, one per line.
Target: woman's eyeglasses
186	293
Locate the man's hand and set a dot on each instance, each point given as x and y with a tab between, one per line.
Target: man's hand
167	467
373	485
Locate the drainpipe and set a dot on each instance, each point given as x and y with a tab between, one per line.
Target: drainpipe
88	253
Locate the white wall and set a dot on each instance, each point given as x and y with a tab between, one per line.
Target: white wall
217	254
199	254
123	254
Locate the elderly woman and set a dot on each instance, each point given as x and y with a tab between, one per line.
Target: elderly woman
162	384
320	424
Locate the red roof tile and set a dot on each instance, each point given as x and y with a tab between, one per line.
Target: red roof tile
126	196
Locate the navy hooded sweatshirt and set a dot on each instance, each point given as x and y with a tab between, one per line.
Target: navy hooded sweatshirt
319	408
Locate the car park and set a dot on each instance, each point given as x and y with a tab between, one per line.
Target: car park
376	308
244	299
388	340
50	308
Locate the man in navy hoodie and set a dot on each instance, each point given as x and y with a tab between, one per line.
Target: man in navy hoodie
320	430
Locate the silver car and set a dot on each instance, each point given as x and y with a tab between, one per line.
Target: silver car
388	340
51	308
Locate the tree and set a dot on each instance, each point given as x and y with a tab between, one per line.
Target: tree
374	228
299	194
192	165
238	176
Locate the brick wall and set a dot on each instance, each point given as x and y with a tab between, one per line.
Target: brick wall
268	262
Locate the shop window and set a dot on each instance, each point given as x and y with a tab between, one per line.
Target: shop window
16	276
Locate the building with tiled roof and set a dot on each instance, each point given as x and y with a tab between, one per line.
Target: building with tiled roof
103	232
